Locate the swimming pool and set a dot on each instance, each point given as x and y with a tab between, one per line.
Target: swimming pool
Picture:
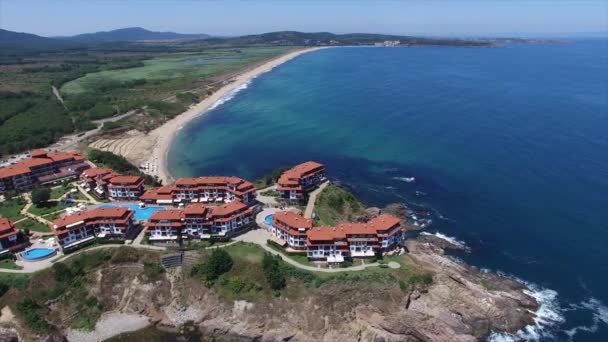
141	214
268	220
37	253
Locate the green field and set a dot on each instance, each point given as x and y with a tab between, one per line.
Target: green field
186	65
33	226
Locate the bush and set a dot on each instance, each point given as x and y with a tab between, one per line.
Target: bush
153	269
29	311
125	255
273	271
62	273
40	196
3	289
219	263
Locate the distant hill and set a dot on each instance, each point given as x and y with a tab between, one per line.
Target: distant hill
132	34
19	41
327	38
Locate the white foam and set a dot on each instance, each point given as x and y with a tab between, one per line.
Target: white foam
230	95
600	315
406	179
449	239
549	314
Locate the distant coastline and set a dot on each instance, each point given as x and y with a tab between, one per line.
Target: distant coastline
165	134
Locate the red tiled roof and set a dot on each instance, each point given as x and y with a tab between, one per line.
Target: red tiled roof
195	209
292	219
325	234
38	158
94	172
228	208
5	224
132	180
384	222
115	213
292	176
169	215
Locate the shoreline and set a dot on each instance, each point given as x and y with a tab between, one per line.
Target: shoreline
110	324
165	134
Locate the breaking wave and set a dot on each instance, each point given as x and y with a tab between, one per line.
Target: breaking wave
449	239
599	312
405	179
230	95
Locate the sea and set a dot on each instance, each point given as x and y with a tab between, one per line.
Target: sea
506	147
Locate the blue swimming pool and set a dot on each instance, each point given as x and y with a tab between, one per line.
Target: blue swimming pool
268	220
37	253
141	214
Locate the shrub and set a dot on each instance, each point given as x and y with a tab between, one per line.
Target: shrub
62	273
124	255
3	289
153	269
30	312
40	196
219	263
273	271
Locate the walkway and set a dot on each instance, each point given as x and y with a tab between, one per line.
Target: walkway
266	200
310	206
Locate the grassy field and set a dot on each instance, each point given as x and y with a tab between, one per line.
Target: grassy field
185	65
9	264
48	208
33	226
11	208
335	205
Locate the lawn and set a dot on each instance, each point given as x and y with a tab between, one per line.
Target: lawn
58	192
9	264
10	209
48	208
33	226
19	281
204	64
246	251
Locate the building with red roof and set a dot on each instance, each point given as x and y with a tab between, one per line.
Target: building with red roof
297	181
106	183
199	221
10	239
76	229
290	229
203	190
41	168
335	244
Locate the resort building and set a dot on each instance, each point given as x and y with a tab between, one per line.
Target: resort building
289	229
295	182
203	190
125	187
106	183
335	244
41	168
199	221
73	230
10	240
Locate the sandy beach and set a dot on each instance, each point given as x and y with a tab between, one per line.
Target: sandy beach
150	150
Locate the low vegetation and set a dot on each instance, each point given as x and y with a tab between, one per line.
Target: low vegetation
29	225
270	179
120	164
11	207
334	205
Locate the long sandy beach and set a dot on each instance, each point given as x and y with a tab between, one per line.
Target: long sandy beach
165	133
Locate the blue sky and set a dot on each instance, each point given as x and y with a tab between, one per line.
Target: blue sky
234	17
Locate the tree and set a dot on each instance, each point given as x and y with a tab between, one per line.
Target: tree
40	196
273	271
62	273
219	263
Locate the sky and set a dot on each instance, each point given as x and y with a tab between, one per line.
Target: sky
238	17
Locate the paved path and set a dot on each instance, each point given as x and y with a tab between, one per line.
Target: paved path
87	195
266	200
310	206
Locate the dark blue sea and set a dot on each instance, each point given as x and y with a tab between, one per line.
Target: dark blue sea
508	148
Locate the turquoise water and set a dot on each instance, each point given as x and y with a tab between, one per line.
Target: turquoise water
141	214
268	220
37	253
508	147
